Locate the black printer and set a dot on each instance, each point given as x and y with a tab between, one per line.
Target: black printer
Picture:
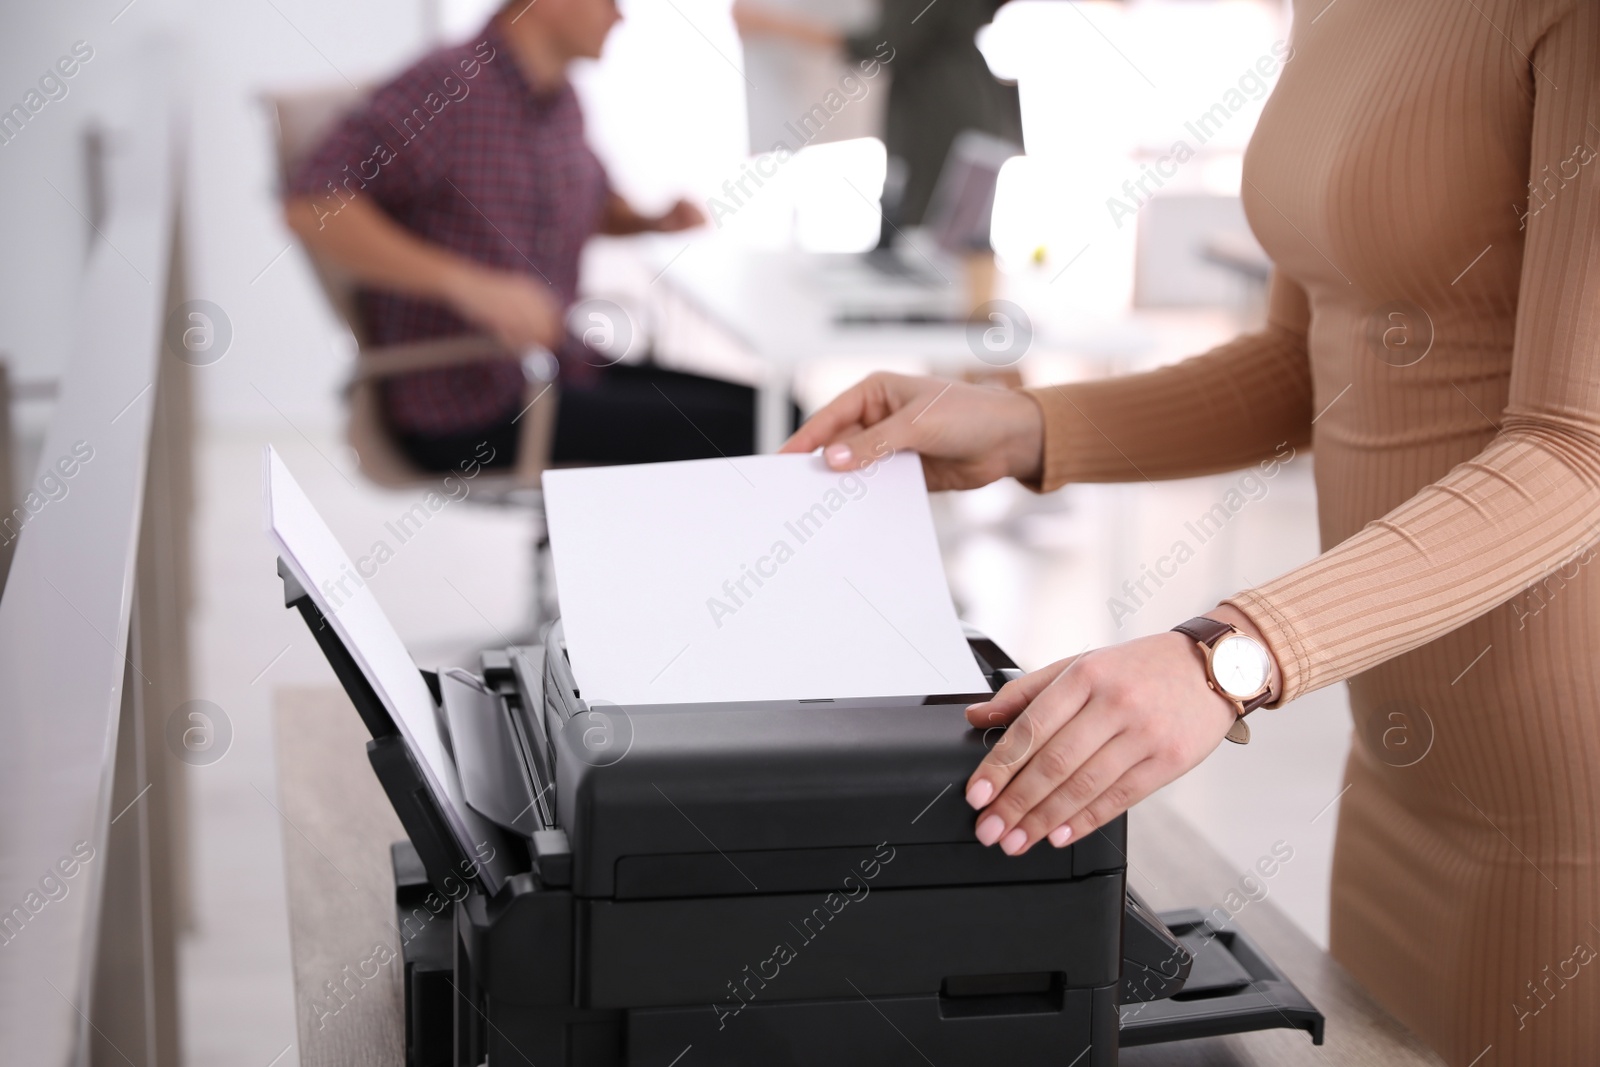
773	883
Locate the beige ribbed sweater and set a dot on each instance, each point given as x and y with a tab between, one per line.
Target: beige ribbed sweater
1458	492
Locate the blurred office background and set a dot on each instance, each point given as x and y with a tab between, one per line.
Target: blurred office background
677	106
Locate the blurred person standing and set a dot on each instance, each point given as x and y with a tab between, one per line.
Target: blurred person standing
940	85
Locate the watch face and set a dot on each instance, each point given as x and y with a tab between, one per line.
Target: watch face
1240	666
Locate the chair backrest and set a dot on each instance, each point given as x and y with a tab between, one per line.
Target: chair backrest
301	119
304	117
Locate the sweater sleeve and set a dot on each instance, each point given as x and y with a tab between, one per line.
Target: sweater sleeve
1530	501
1215	412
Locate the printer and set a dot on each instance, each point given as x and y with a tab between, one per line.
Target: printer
765	883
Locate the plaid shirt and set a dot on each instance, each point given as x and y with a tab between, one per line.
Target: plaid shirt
463	152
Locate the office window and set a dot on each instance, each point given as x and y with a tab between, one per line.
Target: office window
1109	93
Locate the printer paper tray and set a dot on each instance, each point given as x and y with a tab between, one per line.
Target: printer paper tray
1233	989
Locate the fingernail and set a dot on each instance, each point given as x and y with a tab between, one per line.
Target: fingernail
837	455
1060	835
990	829
979	704
979	793
1014	841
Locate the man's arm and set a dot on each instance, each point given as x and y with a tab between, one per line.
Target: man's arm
621	218
517	309
757	19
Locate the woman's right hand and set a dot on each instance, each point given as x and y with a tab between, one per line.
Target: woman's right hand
967	435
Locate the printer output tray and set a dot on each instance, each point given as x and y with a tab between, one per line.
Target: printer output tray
1233	988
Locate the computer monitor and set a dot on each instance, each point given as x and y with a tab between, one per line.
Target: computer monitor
962	206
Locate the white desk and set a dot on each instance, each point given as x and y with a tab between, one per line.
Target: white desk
785	307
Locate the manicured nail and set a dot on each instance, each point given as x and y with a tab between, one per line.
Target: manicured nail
837	455
990	829
980	792
1014	841
1060	835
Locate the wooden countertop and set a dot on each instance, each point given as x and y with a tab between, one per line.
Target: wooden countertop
336	860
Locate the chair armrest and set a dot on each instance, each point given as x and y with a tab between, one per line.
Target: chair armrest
374	364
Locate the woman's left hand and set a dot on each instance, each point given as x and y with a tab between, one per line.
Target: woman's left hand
1085	743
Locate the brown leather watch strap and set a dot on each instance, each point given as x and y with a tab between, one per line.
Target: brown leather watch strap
1203	629
1208	631
1258	701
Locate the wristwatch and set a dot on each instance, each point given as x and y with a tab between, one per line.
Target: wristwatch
1237	667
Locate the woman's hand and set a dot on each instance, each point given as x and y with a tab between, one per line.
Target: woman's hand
967	435
1088	737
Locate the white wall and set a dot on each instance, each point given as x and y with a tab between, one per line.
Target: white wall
44	236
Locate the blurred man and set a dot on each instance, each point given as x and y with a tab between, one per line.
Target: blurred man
460	195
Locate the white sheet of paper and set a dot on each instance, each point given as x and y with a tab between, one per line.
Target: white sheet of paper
320	565
754	578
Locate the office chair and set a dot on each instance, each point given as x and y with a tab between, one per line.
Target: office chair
301	120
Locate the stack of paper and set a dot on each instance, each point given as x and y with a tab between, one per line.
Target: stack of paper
754	578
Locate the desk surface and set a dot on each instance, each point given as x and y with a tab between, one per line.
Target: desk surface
782	304
336	859
785	306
